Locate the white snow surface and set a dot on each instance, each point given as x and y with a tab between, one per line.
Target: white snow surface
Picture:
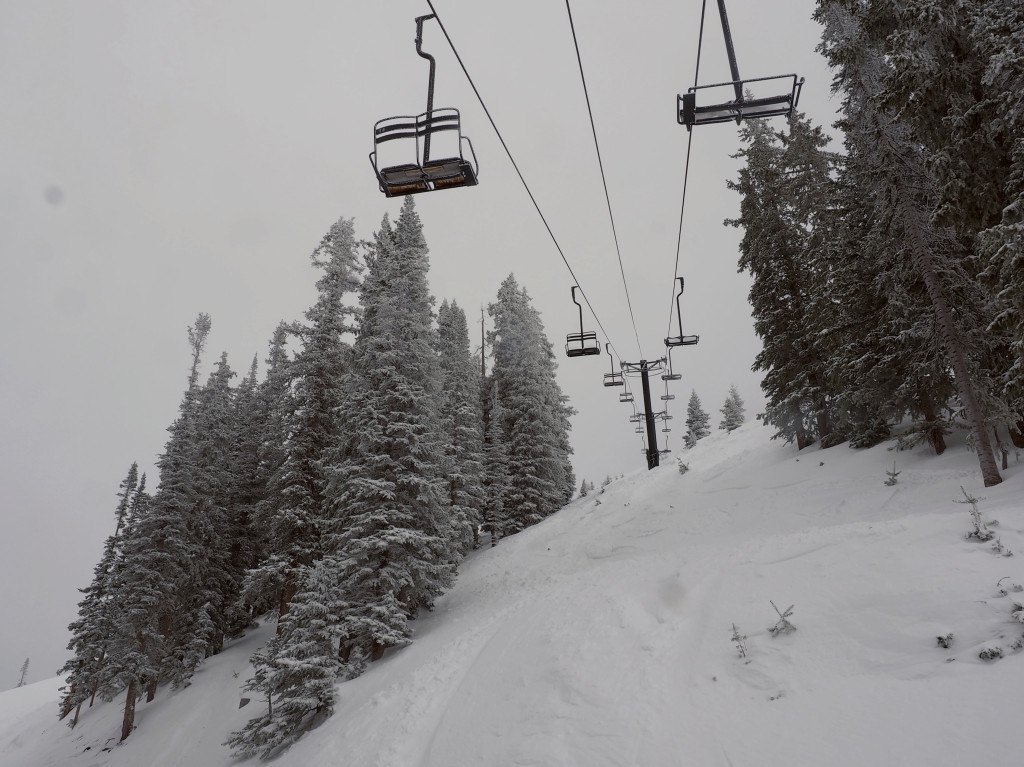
602	636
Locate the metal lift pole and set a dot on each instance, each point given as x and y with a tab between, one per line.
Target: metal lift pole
730	50
430	82
653	456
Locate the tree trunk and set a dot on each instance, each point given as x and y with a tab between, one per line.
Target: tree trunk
78	710
151	690
67	702
288	591
935	438
129	710
1001	448
916	225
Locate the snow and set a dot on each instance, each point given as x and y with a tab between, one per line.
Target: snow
602	636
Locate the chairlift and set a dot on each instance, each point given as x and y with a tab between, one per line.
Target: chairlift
761	99
613	378
669	374
636	418
667	396
421	171
680	340
626	396
582	344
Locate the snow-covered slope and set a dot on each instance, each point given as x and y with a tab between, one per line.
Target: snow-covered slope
603	635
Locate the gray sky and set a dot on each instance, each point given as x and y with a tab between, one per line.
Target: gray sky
165	158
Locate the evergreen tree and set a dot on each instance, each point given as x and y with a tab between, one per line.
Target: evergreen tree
391	531
786	178
535	413
732	411
273	416
698	422
295	506
91	631
462	421
892	172
495	466
22	674
297	670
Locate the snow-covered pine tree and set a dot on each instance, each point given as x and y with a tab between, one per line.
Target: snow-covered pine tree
535	413
893	174
139	648
786	178
462	421
296	672
956	78
732	411
23	674
698	422
495	465
296	507
390	534
92	630
274	414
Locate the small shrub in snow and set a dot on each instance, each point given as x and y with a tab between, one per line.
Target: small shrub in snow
1004	590
1018	612
782	625
683	467
892	475
999	548
739	639
991	653
980	531
944	642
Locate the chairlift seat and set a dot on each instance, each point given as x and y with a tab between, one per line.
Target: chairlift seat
691	113
626	396
667	397
671	376
582	344
682	340
425	174
613	379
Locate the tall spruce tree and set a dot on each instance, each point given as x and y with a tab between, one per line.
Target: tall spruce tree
732	411
92	630
534	411
892	172
495	464
296	504
391	530
297	510
698	422
462	421
786	179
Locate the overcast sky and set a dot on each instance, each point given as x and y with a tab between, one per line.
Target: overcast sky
164	158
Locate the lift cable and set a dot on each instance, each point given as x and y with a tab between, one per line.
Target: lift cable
518	172
604	180
686	174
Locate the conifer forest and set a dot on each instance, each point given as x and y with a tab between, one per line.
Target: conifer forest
337	492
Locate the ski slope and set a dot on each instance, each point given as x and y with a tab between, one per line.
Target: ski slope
602	637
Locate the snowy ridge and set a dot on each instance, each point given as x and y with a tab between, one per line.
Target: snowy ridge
602	635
